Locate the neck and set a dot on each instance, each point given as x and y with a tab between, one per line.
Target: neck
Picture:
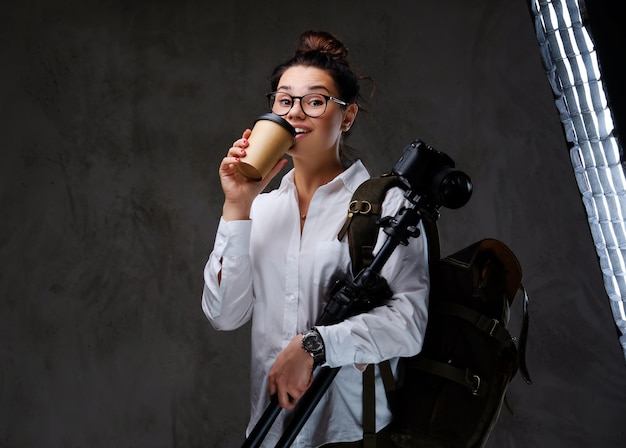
309	178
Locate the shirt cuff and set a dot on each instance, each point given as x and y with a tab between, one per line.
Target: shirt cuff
233	238
337	344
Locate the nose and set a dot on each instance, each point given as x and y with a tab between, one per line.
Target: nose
296	112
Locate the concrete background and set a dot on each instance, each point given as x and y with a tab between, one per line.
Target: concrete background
113	118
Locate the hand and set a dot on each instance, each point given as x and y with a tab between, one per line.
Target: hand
292	374
239	191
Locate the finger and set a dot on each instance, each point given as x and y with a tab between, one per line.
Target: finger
285	401
228	164
236	151
296	395
243	141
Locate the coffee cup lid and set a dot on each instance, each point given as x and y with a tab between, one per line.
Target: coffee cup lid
279	120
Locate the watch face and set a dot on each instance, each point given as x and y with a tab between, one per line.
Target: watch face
312	342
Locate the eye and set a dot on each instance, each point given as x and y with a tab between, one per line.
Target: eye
315	100
283	99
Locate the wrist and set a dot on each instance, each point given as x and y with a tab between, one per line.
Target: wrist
313	344
235	211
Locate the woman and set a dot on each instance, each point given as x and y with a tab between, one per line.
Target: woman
277	254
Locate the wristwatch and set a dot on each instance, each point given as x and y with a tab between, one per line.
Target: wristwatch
313	344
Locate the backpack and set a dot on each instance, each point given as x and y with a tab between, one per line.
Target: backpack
451	393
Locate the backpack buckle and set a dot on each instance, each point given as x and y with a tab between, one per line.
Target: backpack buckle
473	382
494	325
360	207
355	208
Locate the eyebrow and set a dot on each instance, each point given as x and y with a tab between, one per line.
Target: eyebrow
311	88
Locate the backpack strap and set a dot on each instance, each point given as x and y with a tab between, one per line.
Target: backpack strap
491	327
367	201
369	407
465	377
370	437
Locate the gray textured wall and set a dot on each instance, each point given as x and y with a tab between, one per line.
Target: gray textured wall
113	119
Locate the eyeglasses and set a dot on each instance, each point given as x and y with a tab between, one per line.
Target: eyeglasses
312	104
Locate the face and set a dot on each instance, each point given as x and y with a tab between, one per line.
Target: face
321	135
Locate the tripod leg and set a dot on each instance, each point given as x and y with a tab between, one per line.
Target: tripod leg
265	423
307	404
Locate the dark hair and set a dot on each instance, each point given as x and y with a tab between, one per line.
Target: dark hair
324	51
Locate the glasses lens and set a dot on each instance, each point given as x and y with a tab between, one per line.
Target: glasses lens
313	104
280	103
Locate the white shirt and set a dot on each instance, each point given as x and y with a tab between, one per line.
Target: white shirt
280	278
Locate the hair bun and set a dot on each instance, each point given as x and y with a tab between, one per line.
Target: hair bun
322	42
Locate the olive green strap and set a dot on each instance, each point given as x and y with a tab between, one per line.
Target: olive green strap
369	407
387	376
361	224
465	377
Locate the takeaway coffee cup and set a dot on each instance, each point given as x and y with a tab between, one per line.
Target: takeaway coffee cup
271	137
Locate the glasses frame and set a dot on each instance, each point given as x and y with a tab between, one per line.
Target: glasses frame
293	102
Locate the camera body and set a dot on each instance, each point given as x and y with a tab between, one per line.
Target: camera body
430	174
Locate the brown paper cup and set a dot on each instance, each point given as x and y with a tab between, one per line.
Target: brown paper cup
271	138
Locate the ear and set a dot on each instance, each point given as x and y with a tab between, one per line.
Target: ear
349	115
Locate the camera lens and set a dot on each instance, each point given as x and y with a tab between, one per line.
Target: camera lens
453	188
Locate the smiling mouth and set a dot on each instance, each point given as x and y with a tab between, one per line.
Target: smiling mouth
300	131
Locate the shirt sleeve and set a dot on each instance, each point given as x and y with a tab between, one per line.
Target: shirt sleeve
227	296
397	327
